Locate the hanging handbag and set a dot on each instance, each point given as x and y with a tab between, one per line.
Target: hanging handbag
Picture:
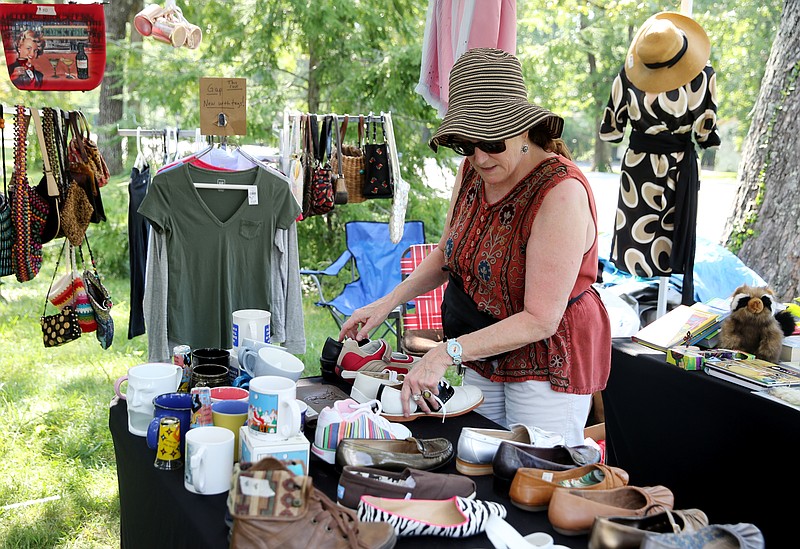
61	327
100	300
28	210
81	171
352	159
318	193
6	229
82	150
339	186
54	47
48	186
70	291
378	183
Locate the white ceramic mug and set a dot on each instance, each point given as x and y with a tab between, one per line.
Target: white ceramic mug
250	324
271	360
273	413
209	460
145	382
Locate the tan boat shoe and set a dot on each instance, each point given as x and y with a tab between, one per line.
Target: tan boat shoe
572	512
532	489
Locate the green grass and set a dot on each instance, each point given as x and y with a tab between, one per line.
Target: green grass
54	435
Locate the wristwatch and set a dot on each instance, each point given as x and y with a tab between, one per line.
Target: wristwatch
454	350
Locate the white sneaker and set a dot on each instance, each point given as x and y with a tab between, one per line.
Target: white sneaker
349	419
367	384
451	401
477	447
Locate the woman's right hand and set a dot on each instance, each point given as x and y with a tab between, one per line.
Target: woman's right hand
365	319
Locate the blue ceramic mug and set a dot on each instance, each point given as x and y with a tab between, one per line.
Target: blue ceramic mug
170	404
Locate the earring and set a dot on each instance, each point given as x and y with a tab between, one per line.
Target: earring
524	149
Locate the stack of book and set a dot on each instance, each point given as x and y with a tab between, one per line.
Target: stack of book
683	325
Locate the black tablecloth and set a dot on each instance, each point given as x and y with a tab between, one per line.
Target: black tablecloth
718	447
157	511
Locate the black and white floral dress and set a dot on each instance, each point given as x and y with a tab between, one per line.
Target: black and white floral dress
655	194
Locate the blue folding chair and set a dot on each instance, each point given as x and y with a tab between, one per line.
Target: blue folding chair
375	260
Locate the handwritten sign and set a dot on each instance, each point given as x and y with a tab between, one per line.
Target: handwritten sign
223	106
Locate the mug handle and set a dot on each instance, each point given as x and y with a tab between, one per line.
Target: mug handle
117	385
294	424
178	376
195	462
247	357
152	433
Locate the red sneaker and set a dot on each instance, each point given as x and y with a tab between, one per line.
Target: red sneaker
375	356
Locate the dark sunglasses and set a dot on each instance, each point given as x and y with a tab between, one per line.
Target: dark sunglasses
467	148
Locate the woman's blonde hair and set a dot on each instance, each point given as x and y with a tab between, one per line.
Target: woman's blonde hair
35	36
539	135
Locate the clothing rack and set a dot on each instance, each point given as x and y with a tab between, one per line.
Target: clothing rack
124	132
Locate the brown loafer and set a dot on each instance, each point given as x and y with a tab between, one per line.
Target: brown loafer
394	455
572	512
355	482
629	532
532	489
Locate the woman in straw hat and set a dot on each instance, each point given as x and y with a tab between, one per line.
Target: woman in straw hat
519	250
667	90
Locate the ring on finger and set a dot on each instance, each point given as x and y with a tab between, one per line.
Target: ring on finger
417	397
426	394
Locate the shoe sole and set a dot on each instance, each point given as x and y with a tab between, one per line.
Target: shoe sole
570	533
412	417
535	508
473	469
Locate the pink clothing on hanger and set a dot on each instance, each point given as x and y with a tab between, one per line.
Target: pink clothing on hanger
453	27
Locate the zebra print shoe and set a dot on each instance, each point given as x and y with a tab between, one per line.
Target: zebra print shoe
456	517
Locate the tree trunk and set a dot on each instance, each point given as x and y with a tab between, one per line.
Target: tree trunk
111	105
764	228
602	152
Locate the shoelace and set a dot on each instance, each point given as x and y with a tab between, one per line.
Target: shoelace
344	519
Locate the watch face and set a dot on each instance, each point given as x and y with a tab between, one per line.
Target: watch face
454	348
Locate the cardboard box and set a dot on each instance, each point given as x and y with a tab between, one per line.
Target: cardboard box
294	451
595	432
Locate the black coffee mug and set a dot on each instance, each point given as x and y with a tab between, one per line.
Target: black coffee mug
214	355
209	375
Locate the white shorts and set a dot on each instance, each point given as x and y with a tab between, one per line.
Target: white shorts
533	403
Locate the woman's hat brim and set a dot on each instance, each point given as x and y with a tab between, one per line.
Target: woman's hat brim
495	122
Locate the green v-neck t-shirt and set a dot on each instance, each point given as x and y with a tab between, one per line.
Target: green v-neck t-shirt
219	246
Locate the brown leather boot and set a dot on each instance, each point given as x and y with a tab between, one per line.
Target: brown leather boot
273	508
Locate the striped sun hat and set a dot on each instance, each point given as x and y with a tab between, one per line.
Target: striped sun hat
489	101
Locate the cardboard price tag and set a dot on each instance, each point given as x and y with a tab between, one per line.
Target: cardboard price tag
223	106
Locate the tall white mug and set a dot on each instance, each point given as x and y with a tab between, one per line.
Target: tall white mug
145	382
209	460
249	324
273	413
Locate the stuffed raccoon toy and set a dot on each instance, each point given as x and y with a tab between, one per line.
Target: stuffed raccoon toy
752	326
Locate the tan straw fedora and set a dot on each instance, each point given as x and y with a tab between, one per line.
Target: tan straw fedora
489	101
668	51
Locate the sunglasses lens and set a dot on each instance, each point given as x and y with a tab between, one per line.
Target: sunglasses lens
464	149
491	147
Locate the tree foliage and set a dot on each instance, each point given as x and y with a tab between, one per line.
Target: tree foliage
357	56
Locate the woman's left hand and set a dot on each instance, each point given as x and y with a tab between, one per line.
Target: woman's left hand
424	377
